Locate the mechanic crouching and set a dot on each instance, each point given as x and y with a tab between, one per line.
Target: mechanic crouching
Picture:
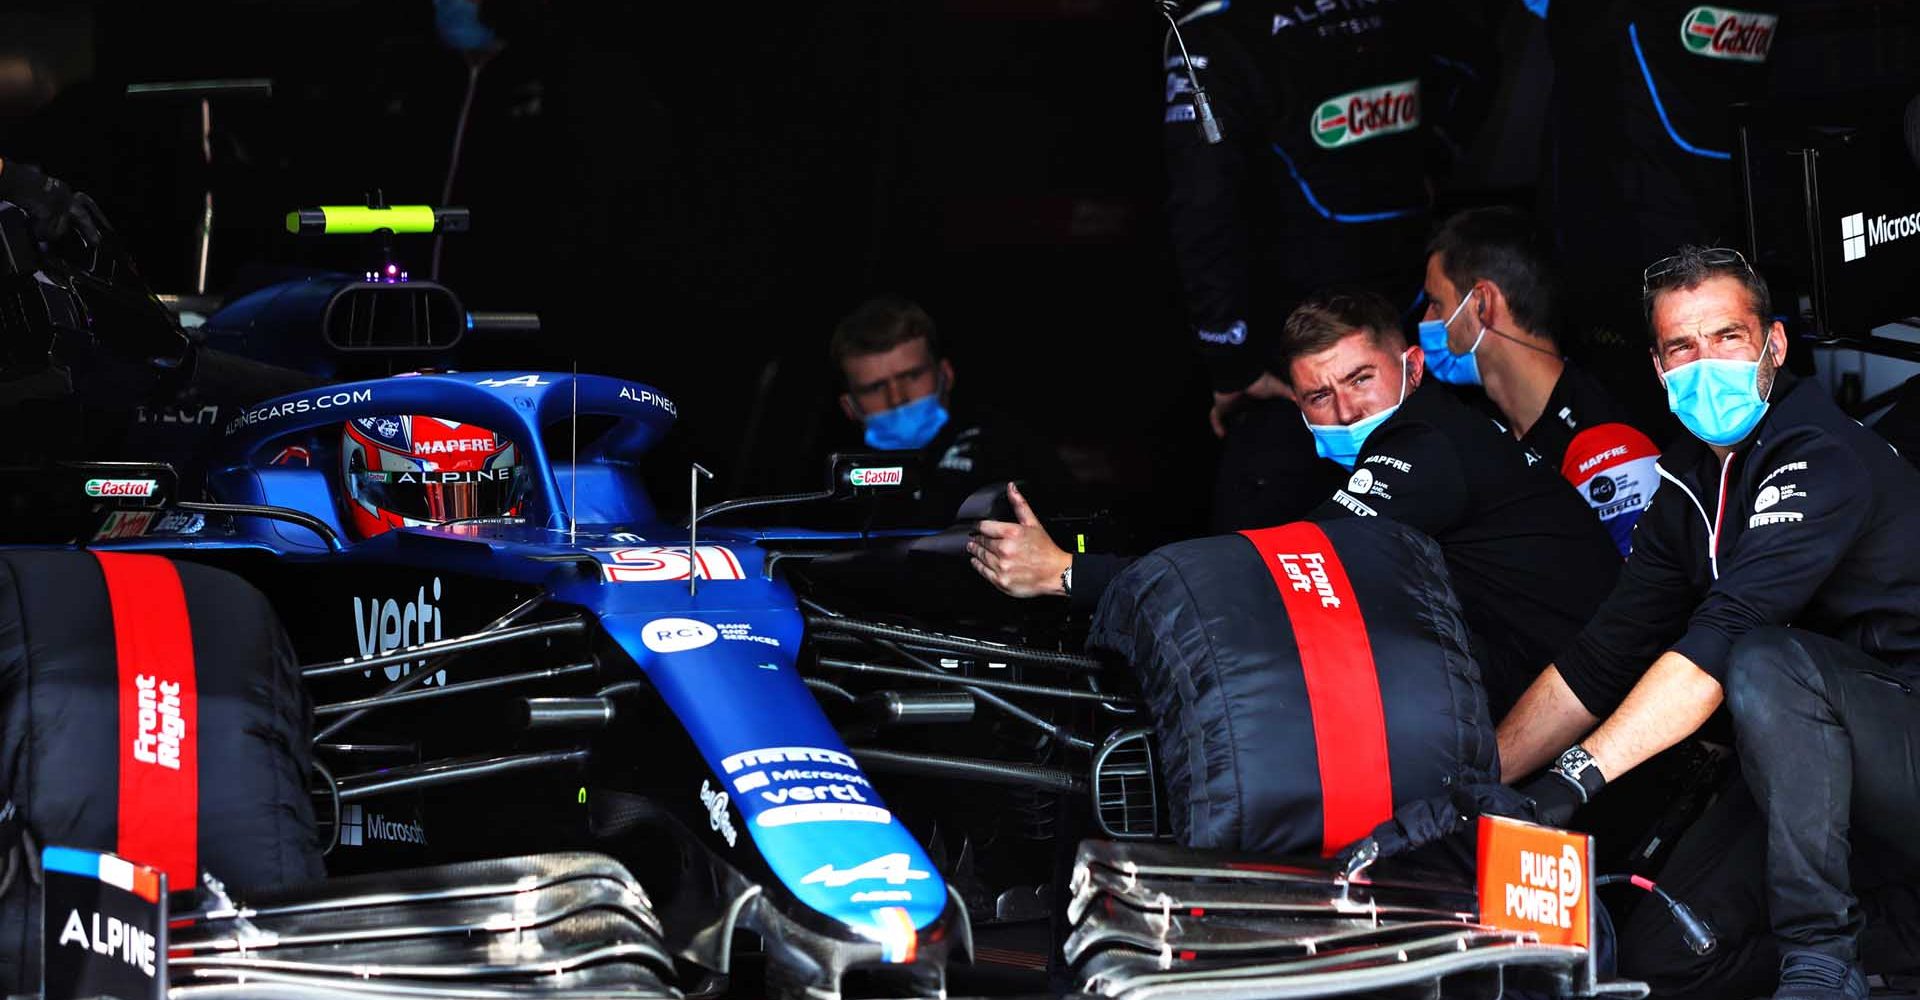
1529	561
1774	571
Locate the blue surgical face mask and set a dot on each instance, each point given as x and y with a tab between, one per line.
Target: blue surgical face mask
907	426
1448	367
1718	400
1342	442
460	28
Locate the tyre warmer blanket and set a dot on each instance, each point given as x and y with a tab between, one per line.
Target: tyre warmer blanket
152	709
1304	681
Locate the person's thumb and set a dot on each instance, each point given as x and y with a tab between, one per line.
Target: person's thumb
1022	511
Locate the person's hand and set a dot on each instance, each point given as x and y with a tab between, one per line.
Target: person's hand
1416	824
1018	558
1555	796
53	206
1267	386
1270	386
1224	403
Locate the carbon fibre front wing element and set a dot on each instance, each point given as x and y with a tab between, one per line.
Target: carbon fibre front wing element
1152	922
549	925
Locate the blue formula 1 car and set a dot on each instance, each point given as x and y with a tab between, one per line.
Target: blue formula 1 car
677	668
571	747
800	844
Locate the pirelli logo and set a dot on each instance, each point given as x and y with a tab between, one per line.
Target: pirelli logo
1344	499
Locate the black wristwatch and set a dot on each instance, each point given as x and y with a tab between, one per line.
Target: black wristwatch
1578	766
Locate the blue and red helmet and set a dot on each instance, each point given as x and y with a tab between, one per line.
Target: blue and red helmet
415	471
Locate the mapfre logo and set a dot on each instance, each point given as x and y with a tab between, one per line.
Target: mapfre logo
1859	233
1367	114
455	446
1720	33
384	626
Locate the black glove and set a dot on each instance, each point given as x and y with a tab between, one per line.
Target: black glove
1425	821
53	206
1555	796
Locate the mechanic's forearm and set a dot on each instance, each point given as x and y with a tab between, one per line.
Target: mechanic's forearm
1548	719
1673	700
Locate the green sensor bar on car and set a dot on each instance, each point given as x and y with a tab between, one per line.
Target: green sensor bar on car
334	220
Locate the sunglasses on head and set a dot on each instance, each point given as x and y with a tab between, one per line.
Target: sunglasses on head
1715	257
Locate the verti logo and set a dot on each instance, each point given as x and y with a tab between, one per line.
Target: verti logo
384	626
1367	114
1720	33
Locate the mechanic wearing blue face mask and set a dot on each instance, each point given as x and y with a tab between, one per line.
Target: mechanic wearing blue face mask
1491	298
1529	562
1774	571
899	388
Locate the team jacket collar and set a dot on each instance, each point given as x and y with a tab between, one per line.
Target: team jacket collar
1692	466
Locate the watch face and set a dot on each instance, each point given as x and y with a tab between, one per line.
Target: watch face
1574	761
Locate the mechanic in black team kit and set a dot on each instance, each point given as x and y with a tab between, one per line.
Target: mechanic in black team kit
1775	570
1331	117
1529	561
898	386
1491	301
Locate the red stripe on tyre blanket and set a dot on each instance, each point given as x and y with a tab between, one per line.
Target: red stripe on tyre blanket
159	783
1343	686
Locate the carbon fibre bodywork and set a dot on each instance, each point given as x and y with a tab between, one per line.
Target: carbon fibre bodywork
793	840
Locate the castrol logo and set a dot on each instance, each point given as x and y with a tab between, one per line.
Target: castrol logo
890	476
1367	114
122	487
1722	33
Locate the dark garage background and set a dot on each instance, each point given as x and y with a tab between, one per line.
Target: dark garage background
692	194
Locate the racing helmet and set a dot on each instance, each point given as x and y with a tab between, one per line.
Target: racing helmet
415	471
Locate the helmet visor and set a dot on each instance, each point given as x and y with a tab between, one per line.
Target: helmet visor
444	496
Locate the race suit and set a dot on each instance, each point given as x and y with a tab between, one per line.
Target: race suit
1787	574
1330	111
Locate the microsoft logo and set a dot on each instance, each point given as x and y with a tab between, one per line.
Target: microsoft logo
1857	232
358	827
1853	237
